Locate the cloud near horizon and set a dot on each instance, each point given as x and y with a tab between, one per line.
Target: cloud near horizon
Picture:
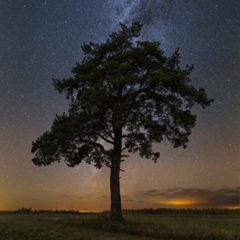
188	198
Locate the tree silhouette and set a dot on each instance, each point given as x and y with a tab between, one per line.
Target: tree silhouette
124	96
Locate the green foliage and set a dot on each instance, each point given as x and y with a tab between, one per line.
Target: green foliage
124	91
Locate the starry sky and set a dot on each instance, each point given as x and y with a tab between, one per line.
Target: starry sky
41	40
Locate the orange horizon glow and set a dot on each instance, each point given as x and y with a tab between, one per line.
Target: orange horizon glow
87	207
181	202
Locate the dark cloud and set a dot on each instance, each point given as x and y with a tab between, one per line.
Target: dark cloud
192	197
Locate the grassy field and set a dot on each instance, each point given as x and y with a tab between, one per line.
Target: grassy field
59	226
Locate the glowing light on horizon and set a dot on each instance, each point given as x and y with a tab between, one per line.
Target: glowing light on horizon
181	202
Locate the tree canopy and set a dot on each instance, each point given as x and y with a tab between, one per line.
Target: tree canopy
124	96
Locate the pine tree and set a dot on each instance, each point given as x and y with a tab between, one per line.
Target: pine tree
125	95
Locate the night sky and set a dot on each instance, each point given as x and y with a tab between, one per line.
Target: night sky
42	39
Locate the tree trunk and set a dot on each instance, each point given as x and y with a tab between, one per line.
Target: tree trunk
116	206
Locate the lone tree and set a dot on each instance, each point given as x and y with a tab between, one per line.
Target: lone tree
124	96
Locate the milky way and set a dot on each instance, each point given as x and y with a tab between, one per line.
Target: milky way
148	12
41	40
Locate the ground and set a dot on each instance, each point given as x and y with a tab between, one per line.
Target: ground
137	225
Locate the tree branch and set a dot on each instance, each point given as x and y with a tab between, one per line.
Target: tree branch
123	149
108	134
105	139
96	145
110	87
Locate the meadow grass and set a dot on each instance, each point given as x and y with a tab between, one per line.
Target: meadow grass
56	226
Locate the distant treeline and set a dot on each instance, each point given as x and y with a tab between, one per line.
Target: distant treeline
212	211
29	210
